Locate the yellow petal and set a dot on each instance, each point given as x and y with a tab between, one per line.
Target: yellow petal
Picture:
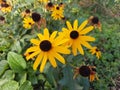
37	61
53	35
75	25
32	49
87	38
32	55
43	62
74	49
82	25
35	41
52	60
87	30
59	42
86	44
80	49
46	33
59	57
62	49
40	36
69	25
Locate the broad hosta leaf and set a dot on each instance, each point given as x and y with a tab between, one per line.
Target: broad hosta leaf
26	86
3	66
10	85
16	62
9	75
23	77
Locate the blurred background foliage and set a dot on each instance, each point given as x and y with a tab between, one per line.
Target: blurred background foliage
17	74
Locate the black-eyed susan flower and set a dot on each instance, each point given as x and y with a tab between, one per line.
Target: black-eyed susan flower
62	5
39	21
83	71
95	50
48	47
77	37
28	22
26	13
93	20
2	20
5	7
93	73
57	13
50	6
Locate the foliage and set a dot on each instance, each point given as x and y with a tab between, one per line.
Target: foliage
17	74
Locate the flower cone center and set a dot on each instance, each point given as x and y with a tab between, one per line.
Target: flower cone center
74	34
84	71
95	20
45	45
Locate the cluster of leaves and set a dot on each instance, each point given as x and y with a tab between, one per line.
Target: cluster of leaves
17	73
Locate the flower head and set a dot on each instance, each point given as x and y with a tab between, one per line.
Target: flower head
5	7
48	47
26	13
57	13
77	37
43	1
95	50
50	6
93	20
28	22
2	20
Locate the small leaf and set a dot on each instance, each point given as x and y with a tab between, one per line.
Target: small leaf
3	66
9	75
10	85
26	86
16	62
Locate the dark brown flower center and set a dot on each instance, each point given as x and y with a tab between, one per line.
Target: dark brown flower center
45	45
5	5
57	8
30	23
94	69
27	11
96	50
84	71
95	20
2	18
74	34
50	4
36	17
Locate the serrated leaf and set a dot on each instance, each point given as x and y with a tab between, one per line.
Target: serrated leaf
26	86
16	62
3	66
10	85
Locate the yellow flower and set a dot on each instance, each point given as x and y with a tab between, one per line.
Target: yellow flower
26	13
95	22
5	8
57	13
95	50
77	37
28	22
47	48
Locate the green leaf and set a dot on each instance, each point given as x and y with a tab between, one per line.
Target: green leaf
3	66
16	62
26	86
10	85
68	79
23	78
9	75
16	46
